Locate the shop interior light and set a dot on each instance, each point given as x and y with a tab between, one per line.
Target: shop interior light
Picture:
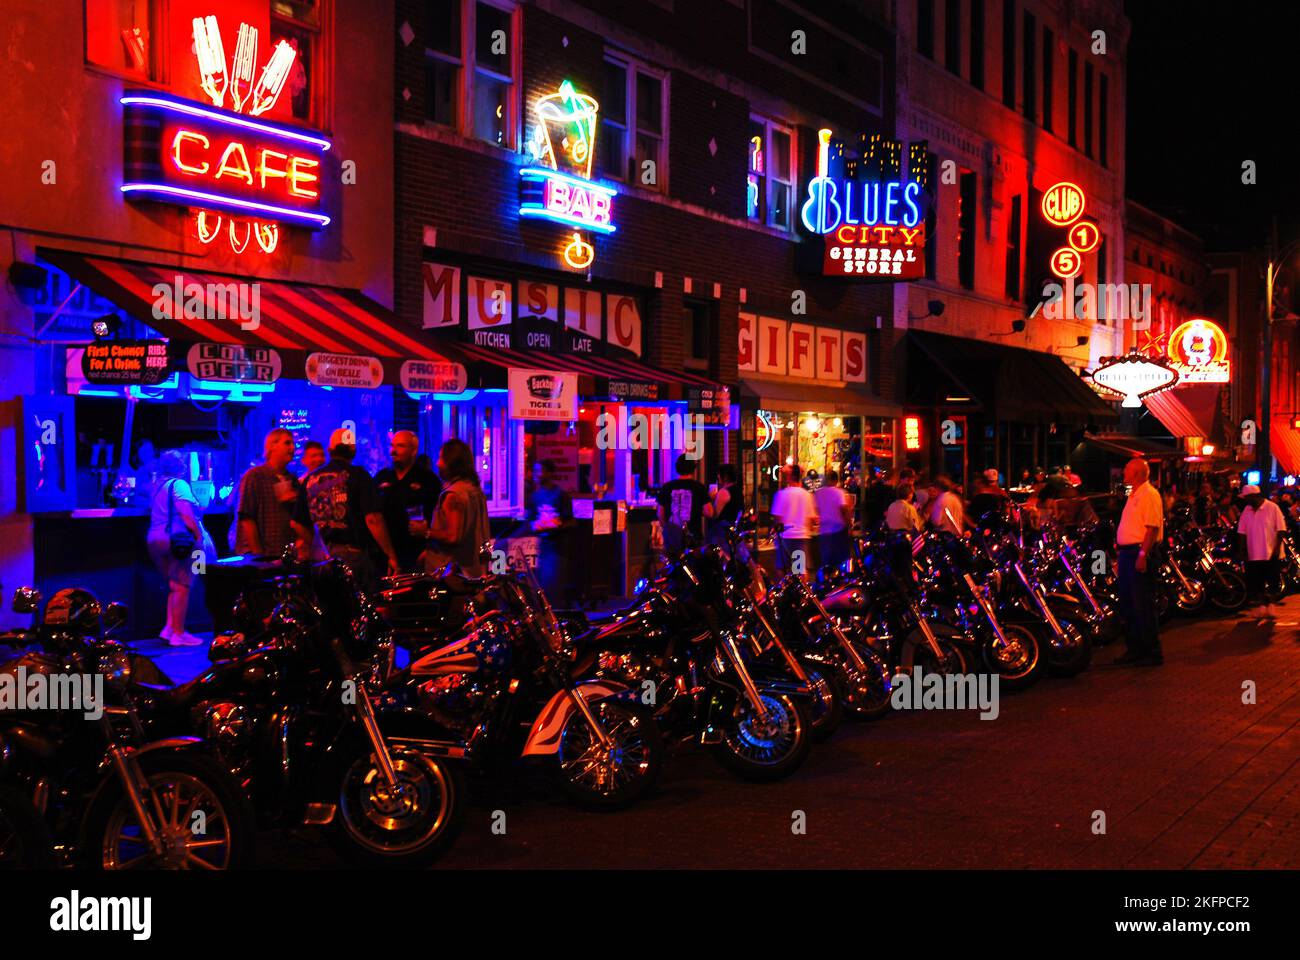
838	423
1207	449
956	399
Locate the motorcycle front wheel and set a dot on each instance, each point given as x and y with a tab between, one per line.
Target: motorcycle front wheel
609	777
1191	598
755	749
411	825
202	813
866	693
1019	663
1073	655
24	839
1228	590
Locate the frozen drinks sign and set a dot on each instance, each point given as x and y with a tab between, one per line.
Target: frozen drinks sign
433	376
344	370
543	395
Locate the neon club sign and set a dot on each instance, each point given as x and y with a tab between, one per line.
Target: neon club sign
248	176
870	216
1198	350
558	186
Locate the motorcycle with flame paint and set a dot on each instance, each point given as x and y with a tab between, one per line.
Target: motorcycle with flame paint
510	686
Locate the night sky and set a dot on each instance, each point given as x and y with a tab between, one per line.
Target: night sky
1211	84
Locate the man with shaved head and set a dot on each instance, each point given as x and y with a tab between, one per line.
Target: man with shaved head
1140	534
409	491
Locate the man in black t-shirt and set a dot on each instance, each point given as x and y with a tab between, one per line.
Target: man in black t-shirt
346	510
683	505
409	491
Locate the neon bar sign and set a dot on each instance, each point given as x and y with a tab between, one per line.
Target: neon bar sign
185	153
558	187
836	201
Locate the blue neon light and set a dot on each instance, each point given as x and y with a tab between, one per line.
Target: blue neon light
535	207
1252	478
223	202
831	202
176	105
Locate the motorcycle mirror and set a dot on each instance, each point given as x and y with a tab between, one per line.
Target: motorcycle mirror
115	616
26	600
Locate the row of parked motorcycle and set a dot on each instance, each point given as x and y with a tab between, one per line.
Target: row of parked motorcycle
308	716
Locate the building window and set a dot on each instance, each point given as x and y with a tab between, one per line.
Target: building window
952	36
297	22
1013	255
699	334
1049	41
470	68
770	189
1009	53
977	44
633	123
1030	76
1087	109
1103	277
966	205
120	35
1072	91
925	28
1103	126
931	218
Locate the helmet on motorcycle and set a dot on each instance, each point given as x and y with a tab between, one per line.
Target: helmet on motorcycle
76	609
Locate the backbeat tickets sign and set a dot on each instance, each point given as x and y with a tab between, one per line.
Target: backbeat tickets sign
142	362
543	394
783	348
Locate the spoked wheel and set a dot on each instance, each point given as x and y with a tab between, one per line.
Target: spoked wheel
24	840
770	748
409	825
201	813
607	777
1228	590
951	659
1190	598
1018	662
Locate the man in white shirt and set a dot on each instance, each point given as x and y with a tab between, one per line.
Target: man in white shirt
1141	528
794	508
901	515
1261	527
835	513
947	512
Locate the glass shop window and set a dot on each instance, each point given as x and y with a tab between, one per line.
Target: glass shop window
771	173
470	68
120	35
297	23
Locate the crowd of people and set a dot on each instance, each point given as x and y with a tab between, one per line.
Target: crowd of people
410	516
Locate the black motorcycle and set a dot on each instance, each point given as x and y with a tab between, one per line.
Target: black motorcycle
110	797
295	705
507	685
685	645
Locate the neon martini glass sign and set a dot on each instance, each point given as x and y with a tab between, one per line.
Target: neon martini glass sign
558	187
1134	377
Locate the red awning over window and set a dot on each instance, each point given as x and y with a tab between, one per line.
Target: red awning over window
296	318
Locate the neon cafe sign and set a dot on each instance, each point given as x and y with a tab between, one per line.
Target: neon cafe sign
558	186
871	218
243	177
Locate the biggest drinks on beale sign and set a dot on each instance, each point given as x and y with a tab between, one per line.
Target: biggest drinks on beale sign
243	177
868	208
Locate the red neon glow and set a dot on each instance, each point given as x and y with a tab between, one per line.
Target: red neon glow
1063	204
912	433
272	174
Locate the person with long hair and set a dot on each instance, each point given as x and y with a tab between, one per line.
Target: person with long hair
176	540
460	522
